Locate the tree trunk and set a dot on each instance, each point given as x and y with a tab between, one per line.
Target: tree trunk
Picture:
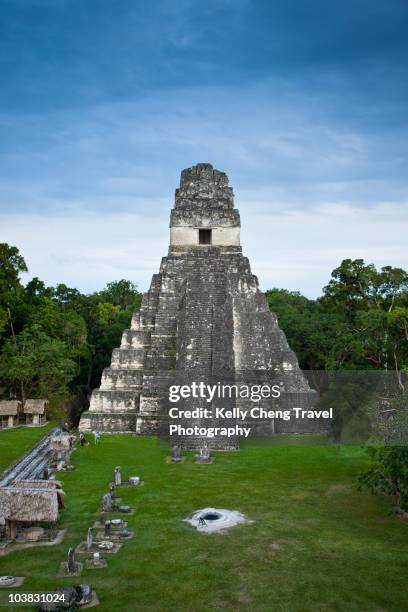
89	377
13	335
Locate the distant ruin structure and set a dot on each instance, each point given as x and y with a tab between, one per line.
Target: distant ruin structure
203	316
10	412
36	411
25	503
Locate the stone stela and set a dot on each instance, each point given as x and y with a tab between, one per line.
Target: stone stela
203	314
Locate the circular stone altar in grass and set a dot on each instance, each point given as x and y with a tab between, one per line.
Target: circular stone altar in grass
212	520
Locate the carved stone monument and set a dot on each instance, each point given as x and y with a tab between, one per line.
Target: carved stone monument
96	562
118	476
89	538
108	528
106	502
204	455
71	565
175	454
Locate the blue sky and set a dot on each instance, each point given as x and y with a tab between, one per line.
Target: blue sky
302	103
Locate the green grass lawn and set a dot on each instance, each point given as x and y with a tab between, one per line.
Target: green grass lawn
15	442
316	543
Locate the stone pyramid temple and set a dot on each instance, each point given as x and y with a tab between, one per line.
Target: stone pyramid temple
203	314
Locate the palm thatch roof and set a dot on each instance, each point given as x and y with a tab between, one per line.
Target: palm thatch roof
37	484
50	485
35	406
10	407
33	505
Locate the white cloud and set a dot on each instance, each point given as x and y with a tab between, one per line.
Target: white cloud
295	249
266	136
86	196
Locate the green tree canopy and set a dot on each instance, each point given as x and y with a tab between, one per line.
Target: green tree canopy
36	365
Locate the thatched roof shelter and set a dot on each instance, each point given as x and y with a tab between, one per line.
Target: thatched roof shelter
31	505
10	408
35	406
50	485
37	484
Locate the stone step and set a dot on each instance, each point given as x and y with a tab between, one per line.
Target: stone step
114	401
135	324
127	358
125	379
149	405
108	422
159	362
135	338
